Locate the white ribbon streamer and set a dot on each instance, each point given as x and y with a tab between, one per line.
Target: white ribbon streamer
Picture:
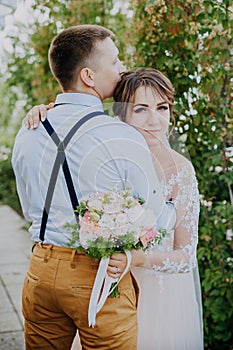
102	277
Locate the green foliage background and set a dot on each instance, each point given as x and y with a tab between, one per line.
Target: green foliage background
191	42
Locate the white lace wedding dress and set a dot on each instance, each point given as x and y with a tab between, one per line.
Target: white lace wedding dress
170	312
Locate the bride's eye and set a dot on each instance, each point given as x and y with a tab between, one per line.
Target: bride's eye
139	110
163	108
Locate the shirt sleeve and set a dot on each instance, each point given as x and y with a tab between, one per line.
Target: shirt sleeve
20	185
25	154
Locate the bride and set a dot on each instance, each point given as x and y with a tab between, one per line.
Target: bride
170	311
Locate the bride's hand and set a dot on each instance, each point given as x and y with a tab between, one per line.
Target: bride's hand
117	264
36	114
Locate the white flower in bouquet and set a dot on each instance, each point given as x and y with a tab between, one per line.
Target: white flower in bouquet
85	240
106	221
113	207
105	233
121	219
135	213
95	204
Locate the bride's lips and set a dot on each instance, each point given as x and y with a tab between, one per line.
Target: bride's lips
143	129
147	130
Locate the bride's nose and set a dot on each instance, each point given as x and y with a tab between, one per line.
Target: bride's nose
153	117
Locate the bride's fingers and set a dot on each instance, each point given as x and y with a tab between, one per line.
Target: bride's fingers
119	260
30	120
34	116
37	114
43	110
40	112
114	271
50	105
25	123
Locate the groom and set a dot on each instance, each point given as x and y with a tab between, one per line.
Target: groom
102	154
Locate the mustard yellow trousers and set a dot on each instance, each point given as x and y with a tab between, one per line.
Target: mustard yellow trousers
55	299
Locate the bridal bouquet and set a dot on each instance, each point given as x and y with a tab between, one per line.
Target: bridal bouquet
113	222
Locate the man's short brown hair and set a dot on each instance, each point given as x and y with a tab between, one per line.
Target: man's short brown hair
70	50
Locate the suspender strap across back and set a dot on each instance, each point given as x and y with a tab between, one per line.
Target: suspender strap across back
61	160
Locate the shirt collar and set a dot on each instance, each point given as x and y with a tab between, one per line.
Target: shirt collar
77	98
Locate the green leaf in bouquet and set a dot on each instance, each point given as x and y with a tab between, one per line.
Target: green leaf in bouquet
82	208
115	293
129	204
95	216
125	242
140	200
100	248
73	230
106	199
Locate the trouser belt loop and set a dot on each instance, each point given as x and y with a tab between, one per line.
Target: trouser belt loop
33	247
72	263
48	253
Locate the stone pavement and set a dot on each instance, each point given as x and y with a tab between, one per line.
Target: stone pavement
15	250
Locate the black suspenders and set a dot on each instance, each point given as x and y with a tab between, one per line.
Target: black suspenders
61	160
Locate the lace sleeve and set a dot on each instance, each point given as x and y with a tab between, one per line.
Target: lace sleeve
181	255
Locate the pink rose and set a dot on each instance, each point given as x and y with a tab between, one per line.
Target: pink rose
86	216
148	236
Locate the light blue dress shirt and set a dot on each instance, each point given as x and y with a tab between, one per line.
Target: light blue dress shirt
105	153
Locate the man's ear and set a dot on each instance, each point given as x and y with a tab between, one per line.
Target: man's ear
87	77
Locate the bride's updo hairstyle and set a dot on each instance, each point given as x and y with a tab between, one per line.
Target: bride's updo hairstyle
125	90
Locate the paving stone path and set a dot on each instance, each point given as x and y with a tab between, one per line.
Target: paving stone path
15	245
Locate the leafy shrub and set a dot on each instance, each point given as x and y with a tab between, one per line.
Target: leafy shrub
8	194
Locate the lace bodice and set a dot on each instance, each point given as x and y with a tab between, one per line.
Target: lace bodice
177	253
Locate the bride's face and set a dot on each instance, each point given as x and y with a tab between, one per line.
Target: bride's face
150	114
